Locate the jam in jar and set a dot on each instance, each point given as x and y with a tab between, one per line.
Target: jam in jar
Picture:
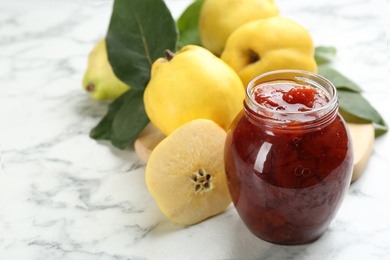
288	157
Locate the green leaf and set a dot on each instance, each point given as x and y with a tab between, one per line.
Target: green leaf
188	24
138	34
129	120
340	81
125	119
380	130
324	54
103	130
358	109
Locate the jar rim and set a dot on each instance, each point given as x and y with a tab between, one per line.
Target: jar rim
297	76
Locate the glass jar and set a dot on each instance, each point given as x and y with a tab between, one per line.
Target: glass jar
288	170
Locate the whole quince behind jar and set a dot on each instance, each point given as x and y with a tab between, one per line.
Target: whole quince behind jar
219	18
192	84
268	44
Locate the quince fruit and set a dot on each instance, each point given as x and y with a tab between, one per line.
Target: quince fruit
219	18
269	44
192	84
185	173
99	79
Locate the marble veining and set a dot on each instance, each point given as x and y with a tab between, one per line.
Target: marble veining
66	196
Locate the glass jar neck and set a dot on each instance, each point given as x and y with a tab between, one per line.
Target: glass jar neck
313	118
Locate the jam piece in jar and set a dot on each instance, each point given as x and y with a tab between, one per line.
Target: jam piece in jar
289	97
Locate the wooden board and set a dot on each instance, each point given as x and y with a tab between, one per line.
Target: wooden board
363	136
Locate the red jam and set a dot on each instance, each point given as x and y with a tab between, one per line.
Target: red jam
287	177
288	96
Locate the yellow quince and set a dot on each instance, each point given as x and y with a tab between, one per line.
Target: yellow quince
219	18
192	84
185	173
269	44
99	79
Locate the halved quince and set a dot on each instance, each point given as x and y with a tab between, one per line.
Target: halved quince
185	173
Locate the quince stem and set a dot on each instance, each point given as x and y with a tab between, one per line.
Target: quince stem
169	54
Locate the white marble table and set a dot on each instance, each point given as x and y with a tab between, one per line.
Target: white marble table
66	196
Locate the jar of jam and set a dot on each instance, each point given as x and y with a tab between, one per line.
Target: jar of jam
288	157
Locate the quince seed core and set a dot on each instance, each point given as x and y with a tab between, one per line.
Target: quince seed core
201	180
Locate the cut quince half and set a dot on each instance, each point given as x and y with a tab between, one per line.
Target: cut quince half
185	173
